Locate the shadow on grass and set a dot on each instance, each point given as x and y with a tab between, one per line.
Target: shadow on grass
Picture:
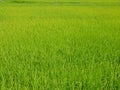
70	3
22	2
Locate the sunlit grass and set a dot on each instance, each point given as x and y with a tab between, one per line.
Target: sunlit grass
59	47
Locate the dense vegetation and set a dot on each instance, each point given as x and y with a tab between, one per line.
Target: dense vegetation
59	47
68	0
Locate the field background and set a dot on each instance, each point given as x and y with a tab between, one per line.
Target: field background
59	47
68	0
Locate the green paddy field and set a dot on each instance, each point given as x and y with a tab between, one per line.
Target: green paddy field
59	45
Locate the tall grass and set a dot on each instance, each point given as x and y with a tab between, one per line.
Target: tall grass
59	47
68	0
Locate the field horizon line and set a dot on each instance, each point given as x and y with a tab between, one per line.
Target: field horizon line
68	3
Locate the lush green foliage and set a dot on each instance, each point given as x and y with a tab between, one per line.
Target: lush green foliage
59	47
68	0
